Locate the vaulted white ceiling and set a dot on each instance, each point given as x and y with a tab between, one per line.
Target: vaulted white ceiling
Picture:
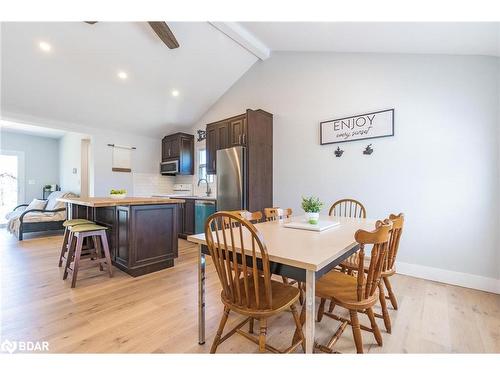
77	80
455	38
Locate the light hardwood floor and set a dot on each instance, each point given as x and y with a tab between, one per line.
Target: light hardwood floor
157	313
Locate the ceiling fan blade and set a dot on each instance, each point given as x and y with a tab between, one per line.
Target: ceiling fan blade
165	34
90	22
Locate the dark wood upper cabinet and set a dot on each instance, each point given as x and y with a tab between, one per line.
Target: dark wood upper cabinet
185	149
175	146
211	148
254	130
179	146
238	132
166	145
217	138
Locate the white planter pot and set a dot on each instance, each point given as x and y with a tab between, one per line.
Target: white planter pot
312	217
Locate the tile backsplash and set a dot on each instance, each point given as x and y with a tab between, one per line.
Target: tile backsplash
197	190
147	184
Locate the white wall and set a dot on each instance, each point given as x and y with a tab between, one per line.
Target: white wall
70	162
145	159
440	168
41	160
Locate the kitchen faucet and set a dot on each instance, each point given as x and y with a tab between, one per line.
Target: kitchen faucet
209	191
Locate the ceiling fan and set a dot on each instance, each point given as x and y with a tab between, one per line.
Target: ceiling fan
162	30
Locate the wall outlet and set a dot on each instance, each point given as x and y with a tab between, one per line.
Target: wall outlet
31	182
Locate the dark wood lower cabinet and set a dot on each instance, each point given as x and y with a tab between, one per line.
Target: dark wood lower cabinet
142	238
189	217
120	252
186	218
180	220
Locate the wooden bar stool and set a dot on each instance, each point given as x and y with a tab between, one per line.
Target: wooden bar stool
68	224
77	234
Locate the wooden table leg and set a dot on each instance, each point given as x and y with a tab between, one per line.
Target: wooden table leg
201	296
310	309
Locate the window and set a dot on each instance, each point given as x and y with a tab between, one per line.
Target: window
202	166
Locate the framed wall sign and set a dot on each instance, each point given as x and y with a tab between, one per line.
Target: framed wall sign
366	126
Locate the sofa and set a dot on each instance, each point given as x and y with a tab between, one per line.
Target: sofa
48	214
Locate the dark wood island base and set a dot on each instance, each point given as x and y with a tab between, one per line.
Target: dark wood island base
142	232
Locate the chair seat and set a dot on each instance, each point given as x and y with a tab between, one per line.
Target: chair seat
87	228
351	264
343	289
71	222
282	297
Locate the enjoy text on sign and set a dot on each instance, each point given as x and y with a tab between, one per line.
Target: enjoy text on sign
354	128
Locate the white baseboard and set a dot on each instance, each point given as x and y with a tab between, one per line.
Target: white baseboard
466	280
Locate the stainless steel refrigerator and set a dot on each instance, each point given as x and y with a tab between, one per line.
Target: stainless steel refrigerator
231	179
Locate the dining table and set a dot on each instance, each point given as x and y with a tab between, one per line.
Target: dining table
299	254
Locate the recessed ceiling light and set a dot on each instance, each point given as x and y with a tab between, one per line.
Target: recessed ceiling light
122	75
44	46
175	93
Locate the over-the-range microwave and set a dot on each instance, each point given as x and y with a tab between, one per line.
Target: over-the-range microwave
169	168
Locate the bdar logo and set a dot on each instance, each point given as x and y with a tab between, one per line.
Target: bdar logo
9	346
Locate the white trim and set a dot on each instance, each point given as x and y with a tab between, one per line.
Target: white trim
466	280
244	38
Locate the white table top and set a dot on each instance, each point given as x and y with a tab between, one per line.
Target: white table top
302	248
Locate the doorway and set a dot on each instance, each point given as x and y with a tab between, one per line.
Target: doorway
11	182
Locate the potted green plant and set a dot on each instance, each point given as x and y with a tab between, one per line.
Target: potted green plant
312	207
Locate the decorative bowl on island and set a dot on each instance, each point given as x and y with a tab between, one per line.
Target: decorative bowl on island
118	194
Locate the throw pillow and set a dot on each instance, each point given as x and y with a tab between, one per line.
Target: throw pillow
37	204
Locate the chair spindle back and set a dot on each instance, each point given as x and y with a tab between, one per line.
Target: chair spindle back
253	217
379	238
233	243
397	229
348	208
276	213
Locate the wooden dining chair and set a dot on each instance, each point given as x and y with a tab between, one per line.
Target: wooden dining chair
359	292
253	217
279	214
348	208
247	287
388	269
276	213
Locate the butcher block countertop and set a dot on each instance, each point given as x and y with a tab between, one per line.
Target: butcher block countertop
128	201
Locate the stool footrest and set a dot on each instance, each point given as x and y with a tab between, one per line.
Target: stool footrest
91	264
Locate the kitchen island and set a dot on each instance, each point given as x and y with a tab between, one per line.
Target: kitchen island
142	232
